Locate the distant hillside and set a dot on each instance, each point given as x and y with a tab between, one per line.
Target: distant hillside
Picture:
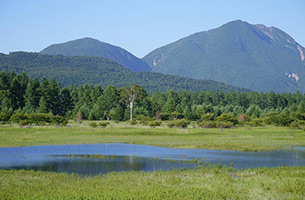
92	47
101	71
238	53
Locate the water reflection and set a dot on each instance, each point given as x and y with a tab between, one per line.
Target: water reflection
84	165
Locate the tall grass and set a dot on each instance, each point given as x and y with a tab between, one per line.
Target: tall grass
241	138
203	183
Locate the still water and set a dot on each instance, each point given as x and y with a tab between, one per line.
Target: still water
93	159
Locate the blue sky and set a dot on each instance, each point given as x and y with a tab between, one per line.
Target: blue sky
138	26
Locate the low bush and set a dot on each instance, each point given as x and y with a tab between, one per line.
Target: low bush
298	124
255	122
103	124
133	122
208	117
277	119
143	119
154	123
297	116
93	124
23	122
165	116
59	120
208	124
171	124
4	117
226	117
224	124
18	117
180	123
37	118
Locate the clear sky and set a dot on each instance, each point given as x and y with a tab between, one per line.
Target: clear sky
138	26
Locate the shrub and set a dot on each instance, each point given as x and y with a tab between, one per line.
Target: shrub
208	124
36	118
224	124
154	123
103	124
171	124
255	122
277	119
208	117
164	116
59	120
298	124
226	117
4	117
143	119
18	117
297	116
181	123
93	124
140	117
23	122
133	122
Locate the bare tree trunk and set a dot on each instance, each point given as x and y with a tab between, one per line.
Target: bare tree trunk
131	106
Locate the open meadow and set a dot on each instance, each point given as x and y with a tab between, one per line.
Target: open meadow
207	182
240	138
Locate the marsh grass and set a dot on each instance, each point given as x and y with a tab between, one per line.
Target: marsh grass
204	182
215	182
241	138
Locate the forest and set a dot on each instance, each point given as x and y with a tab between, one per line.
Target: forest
81	70
20	94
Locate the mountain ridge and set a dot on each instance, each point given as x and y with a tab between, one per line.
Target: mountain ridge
81	70
92	47
232	53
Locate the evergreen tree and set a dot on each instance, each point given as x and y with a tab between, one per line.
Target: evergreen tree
32	96
66	101
170	105
43	107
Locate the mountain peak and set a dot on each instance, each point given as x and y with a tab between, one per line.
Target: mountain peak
92	47
257	57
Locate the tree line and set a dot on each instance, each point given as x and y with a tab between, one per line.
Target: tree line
21	94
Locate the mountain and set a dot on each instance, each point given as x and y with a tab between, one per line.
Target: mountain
100	71
93	47
250	56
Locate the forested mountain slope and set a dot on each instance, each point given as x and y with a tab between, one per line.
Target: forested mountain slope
93	47
81	70
250	56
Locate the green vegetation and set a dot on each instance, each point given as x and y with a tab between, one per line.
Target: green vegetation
81	70
206	183
240	54
242	139
92	47
21	95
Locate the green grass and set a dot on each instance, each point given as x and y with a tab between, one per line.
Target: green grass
204	183
241	138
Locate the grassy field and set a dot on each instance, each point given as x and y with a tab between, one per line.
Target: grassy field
203	183
241	138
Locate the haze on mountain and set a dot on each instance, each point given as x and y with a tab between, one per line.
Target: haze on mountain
81	70
92	47
250	56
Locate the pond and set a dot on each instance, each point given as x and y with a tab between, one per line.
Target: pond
93	159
